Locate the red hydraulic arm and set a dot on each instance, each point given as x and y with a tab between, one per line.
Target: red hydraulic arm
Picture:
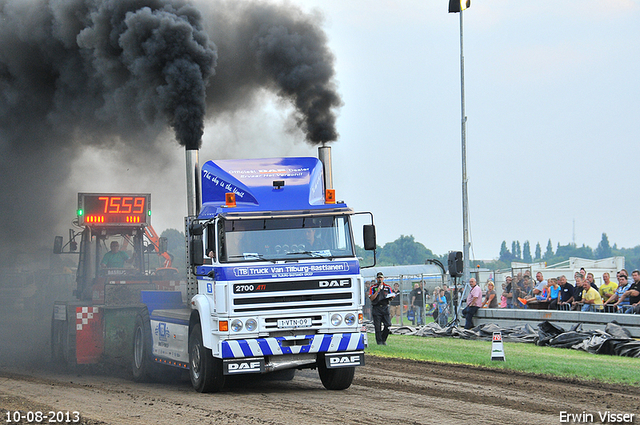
155	240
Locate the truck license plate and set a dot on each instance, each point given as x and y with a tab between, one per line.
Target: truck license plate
294	323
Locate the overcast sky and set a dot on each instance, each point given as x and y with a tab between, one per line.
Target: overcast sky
552	95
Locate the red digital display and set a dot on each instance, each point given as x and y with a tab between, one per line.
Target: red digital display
114	209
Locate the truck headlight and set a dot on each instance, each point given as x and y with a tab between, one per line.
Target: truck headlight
336	320
236	325
349	319
251	325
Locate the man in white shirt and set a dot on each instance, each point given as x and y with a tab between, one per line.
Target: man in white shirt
540	284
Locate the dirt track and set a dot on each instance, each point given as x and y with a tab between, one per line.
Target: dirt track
384	392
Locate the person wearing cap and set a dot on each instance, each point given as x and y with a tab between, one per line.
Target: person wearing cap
379	294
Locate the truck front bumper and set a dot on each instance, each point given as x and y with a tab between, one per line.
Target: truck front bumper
294	345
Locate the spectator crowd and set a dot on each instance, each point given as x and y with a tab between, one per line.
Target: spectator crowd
524	292
417	305
558	294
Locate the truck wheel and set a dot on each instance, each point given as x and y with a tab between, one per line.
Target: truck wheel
63	349
335	379
142	364
205	370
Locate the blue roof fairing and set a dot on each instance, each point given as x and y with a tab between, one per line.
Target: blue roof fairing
252	182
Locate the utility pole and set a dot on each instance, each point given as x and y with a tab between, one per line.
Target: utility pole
465	197
458	6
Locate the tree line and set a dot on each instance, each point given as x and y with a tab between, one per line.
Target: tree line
564	252
406	251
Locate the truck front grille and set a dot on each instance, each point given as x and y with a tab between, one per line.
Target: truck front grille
283	302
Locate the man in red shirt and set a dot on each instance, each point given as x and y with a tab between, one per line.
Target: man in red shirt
474	302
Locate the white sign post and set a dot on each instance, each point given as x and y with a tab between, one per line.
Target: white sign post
497	350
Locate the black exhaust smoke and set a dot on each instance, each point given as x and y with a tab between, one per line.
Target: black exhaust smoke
279	48
153	55
302	74
116	73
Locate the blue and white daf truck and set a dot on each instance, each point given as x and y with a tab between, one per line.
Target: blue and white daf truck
273	282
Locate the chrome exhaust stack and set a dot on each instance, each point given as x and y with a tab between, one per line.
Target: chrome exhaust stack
324	155
195	248
194	189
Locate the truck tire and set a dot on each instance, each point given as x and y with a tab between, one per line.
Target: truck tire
335	379
205	370
62	345
58	336
142	365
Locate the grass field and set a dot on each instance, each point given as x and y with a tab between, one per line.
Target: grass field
523	357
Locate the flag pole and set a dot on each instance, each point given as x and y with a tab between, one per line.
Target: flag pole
465	198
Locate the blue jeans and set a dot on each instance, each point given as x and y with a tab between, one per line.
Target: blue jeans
468	312
443	318
419	312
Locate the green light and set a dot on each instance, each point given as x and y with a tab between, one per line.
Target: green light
80	212
149	212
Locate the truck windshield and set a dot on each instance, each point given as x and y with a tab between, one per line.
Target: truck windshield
276	239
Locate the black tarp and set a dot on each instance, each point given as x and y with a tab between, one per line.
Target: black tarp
613	340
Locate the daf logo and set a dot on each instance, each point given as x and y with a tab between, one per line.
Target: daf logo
237	367
349	360
334	283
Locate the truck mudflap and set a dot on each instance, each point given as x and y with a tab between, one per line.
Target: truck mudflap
319	343
338	360
246	365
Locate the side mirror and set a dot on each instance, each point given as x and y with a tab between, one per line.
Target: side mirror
196	245
196	252
369	236
57	245
196	229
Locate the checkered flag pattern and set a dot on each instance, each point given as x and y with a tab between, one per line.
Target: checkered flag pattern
83	315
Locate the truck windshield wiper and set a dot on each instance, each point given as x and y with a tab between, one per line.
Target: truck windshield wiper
320	254
252	256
